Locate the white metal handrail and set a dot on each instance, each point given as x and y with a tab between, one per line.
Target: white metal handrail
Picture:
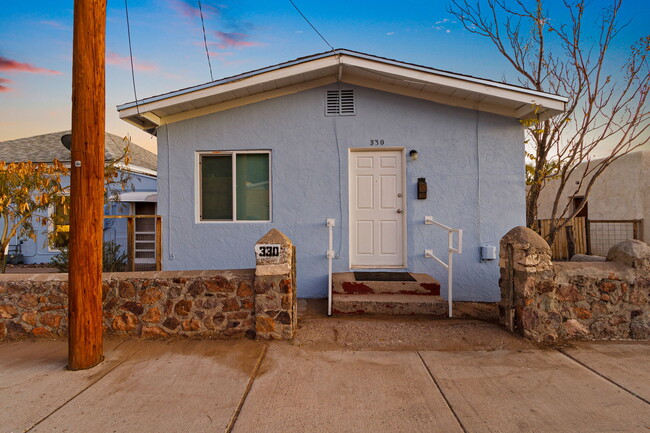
450	255
331	222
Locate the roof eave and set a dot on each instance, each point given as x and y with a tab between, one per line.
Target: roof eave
142	113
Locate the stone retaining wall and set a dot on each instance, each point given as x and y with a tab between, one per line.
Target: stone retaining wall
546	301
195	304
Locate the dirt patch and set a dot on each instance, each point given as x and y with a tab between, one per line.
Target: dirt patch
474	328
34	268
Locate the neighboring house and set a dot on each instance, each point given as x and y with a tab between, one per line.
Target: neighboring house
618	206
141	199
331	135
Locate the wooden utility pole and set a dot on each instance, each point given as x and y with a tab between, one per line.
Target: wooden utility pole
85	342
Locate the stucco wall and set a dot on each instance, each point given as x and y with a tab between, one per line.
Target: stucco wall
310	182
622	192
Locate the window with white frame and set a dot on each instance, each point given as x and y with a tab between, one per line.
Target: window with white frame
235	186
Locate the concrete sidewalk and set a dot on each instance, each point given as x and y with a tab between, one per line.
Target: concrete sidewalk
331	385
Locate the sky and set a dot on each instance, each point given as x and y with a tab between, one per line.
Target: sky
169	53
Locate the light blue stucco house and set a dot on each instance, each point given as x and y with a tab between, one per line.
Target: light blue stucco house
333	135
139	198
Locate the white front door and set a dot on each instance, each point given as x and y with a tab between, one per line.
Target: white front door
376	209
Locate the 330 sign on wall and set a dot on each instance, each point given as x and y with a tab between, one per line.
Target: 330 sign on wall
267	251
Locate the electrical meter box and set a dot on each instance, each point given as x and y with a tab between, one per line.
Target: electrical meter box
488	252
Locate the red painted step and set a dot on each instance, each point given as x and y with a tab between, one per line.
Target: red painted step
344	283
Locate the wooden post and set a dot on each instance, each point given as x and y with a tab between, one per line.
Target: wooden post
570	242
85	342
130	234
158	243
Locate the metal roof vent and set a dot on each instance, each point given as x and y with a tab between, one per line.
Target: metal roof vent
340	103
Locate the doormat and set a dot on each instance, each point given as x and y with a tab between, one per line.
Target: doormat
383	276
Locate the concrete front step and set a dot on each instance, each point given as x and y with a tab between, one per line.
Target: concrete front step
388	304
345	283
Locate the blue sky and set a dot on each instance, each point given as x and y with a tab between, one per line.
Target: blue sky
36	47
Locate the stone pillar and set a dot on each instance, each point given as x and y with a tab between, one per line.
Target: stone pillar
275	287
523	256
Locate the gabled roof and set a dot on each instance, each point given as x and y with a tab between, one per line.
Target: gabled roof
47	147
348	67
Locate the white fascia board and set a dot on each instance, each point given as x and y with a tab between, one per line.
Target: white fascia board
461	77
137	169
250	81
472	85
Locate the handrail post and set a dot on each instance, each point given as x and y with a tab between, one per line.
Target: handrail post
331	222
450	268
450	256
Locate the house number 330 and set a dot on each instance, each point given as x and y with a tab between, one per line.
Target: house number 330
267	250
376	142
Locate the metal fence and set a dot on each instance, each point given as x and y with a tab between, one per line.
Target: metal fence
594	237
603	234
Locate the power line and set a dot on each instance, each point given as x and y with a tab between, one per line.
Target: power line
128	31
205	41
312	26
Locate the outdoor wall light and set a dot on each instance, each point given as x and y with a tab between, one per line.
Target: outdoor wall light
414	155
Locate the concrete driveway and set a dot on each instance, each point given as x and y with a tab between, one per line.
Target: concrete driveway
312	385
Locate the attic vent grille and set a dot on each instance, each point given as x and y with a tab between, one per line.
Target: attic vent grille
340	103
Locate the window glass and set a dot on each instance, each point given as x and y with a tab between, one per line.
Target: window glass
253	186
61	223
216	187
248	176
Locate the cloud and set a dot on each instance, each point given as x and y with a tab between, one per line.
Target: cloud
4	88
14	66
55	25
233	39
446	20
223	55
124	62
390	33
190	11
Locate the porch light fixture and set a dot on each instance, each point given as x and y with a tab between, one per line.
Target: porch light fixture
414	155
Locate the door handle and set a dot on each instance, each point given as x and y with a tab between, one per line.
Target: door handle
399	210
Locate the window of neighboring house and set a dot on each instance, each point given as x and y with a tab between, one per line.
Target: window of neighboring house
235	186
584	212
60	228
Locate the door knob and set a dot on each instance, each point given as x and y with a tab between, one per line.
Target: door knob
399	210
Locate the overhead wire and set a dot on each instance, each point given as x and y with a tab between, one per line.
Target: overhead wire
205	41
128	31
312	26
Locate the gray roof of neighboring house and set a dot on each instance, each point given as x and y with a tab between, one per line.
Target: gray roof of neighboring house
47	147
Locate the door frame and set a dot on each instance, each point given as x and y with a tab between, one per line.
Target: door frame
402	150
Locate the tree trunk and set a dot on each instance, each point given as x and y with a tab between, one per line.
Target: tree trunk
570	242
3	260
531	204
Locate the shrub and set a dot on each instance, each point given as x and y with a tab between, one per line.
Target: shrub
113	260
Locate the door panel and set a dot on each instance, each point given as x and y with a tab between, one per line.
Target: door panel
365	231
376	209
